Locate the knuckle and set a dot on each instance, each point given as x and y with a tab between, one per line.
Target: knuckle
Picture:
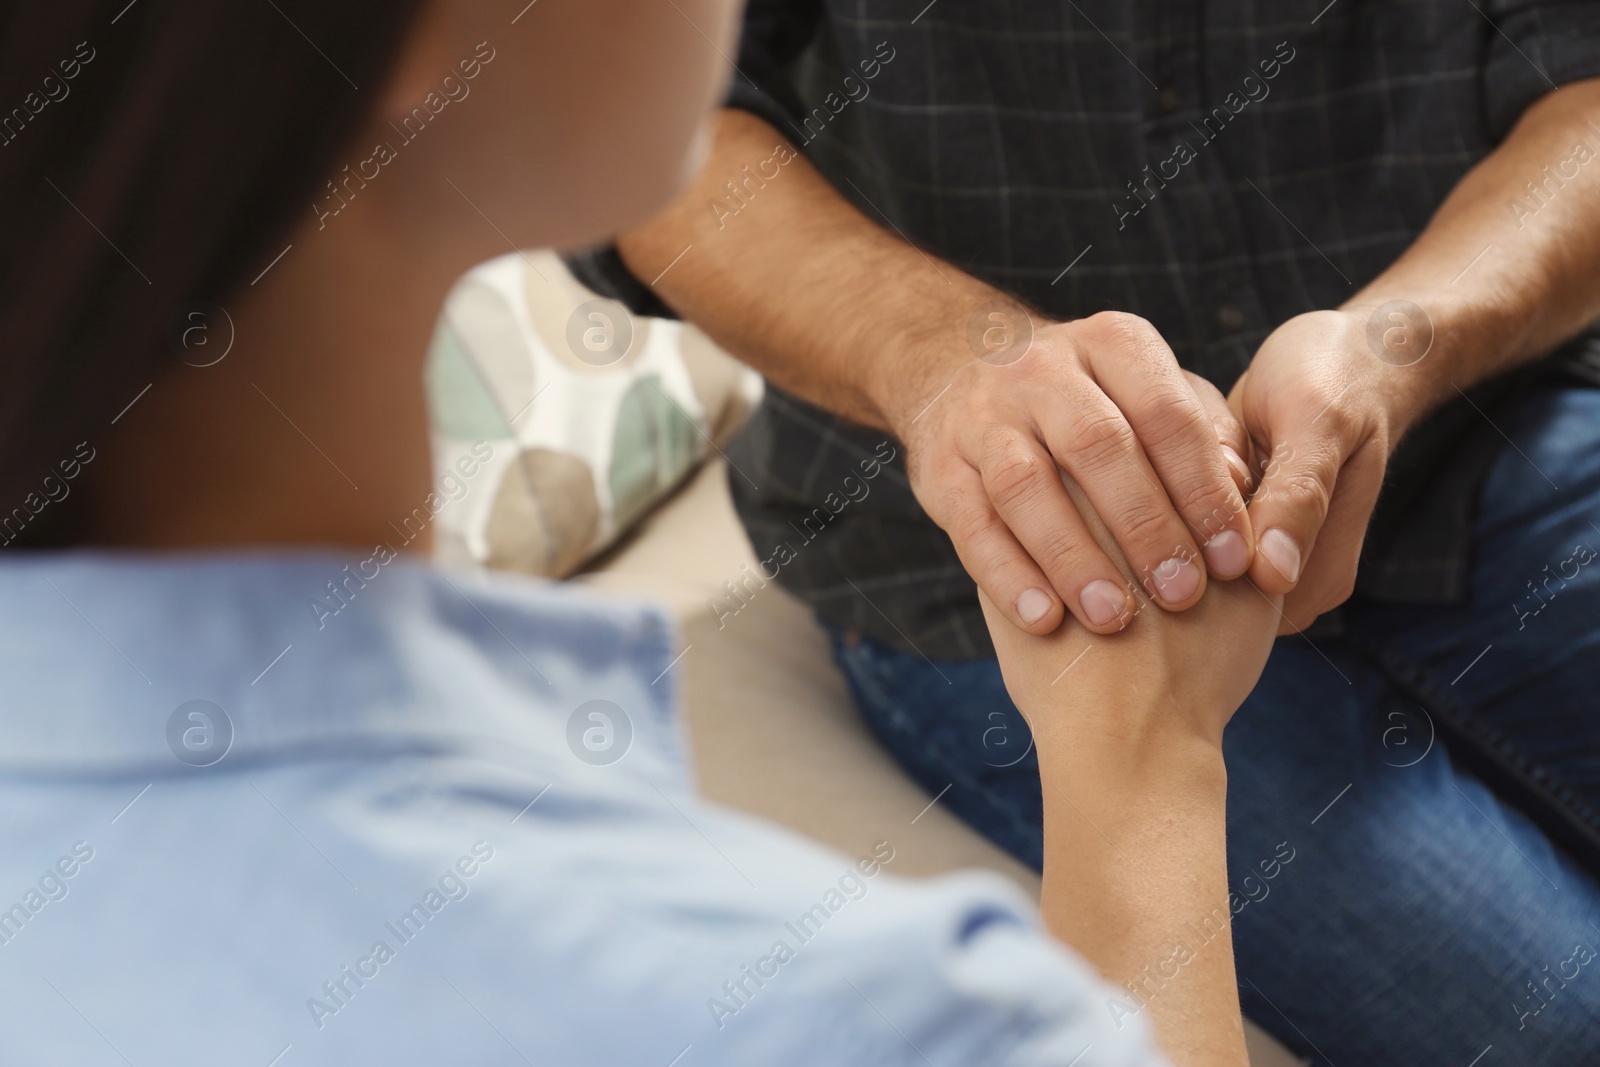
1121	328
1012	475
968	524
1132	338
1203	501
1171	420
1304	489
1099	436
1058	553
1149	529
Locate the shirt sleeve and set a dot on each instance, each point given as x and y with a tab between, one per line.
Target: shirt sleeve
951	972
1537	45
775	33
773	950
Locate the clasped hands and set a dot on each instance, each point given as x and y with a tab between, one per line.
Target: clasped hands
1096	430
1276	481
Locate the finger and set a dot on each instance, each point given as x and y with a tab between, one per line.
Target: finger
1254	455
1177	433
1091	440
1230	431
1329	573
990	554
1297	490
1024	489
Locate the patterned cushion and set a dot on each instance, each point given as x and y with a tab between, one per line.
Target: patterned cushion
590	416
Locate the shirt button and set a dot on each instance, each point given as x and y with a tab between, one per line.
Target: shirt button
1169	101
1229	317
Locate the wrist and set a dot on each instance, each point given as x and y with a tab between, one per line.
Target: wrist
974	327
1425	343
1135	756
908	376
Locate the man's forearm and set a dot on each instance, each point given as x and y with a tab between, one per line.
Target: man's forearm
1509	267
790	277
781	270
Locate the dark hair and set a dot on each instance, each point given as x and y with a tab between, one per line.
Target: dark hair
152	154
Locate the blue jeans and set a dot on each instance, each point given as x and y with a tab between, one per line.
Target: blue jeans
1420	775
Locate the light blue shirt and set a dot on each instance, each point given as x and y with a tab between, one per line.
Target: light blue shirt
450	822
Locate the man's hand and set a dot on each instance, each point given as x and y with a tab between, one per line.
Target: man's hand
1485	288
1323	412
1156	450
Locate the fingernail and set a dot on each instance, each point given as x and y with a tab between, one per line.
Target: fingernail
1241	469
1282	552
1227	554
1176	580
1103	602
1033	605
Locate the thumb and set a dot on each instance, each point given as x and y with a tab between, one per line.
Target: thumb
1290	507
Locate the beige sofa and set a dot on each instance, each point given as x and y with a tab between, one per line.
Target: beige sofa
770	719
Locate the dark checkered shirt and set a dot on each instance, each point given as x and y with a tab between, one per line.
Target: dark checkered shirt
1214	167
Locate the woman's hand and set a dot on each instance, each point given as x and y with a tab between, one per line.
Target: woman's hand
1128	729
